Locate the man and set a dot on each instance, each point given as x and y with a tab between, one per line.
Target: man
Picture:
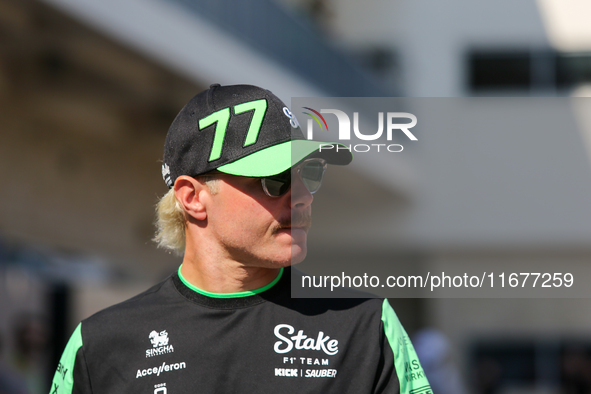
242	177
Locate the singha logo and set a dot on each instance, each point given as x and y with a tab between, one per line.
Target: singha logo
159	344
159	339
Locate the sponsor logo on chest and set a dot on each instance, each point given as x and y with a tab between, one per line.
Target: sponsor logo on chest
160	344
300	341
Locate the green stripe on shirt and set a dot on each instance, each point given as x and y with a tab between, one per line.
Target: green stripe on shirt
410	373
63	380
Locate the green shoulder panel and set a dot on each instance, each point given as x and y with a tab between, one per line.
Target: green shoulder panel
63	380
410	373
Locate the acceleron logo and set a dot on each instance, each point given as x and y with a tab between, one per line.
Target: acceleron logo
394	124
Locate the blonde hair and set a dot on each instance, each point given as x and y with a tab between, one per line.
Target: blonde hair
171	219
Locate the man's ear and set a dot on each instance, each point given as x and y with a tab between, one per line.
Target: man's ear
190	193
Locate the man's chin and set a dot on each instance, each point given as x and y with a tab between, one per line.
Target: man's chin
298	253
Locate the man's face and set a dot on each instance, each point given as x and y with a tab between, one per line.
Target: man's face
257	230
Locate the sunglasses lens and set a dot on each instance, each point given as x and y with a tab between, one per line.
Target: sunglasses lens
312	173
277	185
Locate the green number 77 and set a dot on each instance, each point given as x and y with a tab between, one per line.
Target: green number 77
222	117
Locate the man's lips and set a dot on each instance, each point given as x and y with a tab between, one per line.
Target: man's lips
304	228
298	221
290	228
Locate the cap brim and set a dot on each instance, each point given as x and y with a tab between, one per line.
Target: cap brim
278	158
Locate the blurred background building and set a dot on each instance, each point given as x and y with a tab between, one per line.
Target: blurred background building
88	90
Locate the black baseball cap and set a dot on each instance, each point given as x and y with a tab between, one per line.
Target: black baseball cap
241	130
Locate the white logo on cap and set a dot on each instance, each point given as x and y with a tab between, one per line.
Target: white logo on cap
166	174
292	119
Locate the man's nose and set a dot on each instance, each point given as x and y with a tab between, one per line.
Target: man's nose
300	195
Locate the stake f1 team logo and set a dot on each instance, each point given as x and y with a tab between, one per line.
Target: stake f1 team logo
394	124
301	341
159	341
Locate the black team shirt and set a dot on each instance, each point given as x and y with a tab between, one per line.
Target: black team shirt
177	339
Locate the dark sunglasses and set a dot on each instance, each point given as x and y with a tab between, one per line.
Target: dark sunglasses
311	171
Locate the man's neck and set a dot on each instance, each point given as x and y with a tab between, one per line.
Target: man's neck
226	277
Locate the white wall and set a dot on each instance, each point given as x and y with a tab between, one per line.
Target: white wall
432	36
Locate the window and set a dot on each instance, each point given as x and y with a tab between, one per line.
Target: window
525	70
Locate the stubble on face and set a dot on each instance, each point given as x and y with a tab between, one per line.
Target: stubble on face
260	225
